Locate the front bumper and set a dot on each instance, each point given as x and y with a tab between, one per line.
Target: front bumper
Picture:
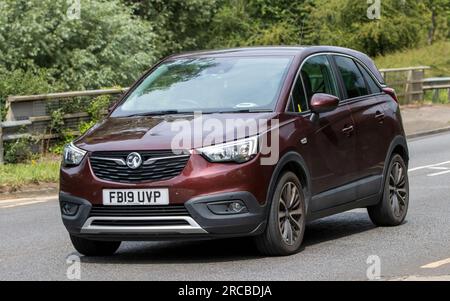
198	222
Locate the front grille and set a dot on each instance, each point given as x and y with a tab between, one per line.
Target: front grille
138	211
167	165
139	223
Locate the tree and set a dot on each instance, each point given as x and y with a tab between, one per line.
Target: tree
345	23
179	25
107	46
260	22
439	18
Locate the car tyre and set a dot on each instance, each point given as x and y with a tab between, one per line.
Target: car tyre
393	207
89	247
287	219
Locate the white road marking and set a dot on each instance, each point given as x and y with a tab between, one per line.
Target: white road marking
439	173
438	168
424	278
428	166
436	264
11	203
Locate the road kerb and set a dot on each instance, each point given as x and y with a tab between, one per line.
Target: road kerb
427	133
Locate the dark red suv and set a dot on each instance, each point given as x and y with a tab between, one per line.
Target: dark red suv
240	142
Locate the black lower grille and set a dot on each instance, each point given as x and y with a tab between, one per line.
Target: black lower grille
139	223
138	211
167	165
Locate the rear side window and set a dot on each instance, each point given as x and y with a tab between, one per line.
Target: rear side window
354	82
372	85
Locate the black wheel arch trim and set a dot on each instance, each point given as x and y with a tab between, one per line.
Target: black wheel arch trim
397	141
289	158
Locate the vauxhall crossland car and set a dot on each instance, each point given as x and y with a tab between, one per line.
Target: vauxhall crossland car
333	141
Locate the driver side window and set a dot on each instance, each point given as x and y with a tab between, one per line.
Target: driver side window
318	77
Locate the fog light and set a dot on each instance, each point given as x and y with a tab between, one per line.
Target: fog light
229	207
69	209
236	207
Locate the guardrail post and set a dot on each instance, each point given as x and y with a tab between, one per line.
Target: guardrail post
9	111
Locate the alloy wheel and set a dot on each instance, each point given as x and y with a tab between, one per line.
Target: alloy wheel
290	213
398	193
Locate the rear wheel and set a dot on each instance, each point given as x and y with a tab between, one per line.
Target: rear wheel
93	247
286	221
393	207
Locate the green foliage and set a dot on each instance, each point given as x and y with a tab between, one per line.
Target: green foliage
98	106
345	23
180	25
106	46
437	56
15	176
18	151
19	82
439	16
57	122
260	22
96	110
85	126
58	147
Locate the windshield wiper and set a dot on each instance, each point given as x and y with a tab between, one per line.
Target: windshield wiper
175	112
246	111
158	113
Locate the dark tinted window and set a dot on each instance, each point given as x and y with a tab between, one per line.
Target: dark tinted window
352	77
317	77
373	87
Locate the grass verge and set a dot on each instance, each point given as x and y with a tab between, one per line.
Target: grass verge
437	56
15	176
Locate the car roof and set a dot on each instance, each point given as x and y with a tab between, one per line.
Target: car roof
247	51
300	51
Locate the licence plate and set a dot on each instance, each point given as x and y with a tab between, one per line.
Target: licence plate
131	197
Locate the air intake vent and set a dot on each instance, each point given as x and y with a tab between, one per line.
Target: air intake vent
139	211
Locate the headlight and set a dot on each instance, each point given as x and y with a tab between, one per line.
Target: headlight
72	155
237	151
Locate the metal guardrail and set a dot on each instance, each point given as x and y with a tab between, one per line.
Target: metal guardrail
408	82
28	116
436	84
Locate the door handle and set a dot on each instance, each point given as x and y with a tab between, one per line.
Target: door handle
348	130
379	115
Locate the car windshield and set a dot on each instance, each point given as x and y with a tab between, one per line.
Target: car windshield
208	85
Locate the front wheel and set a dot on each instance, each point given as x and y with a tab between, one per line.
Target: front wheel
287	218
93	247
393	207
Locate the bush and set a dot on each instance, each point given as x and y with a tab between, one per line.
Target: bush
95	109
18	151
106	46
21	82
345	23
98	106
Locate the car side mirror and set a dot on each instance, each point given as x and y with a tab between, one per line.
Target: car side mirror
322	103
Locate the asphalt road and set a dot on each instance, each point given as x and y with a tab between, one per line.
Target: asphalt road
35	245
